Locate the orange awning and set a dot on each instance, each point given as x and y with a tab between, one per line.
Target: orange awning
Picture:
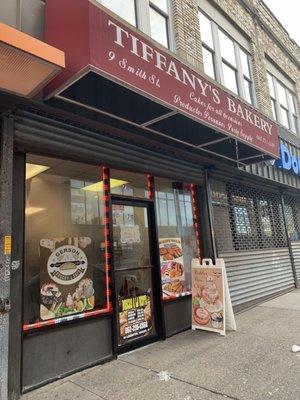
26	63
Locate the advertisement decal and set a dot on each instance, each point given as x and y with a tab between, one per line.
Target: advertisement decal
172	266
66	285
135	317
208	298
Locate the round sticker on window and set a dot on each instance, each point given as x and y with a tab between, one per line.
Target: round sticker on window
67	265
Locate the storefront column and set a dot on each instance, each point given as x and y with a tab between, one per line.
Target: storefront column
288	239
208	213
6	167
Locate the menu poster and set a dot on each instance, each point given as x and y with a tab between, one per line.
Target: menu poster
172	266
208	303
66	284
135	317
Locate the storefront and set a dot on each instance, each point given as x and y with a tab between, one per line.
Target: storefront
107	258
256	226
117	195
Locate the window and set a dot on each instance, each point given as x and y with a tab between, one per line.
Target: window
125	9
85	204
283	104
150	16
176	234
159	21
65	272
255	217
242	221
225	60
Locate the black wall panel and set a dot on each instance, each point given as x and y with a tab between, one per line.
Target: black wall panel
63	350
177	315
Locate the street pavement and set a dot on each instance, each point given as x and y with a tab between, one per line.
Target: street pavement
254	363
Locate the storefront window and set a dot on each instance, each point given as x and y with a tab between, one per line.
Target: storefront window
177	236
65	270
128	184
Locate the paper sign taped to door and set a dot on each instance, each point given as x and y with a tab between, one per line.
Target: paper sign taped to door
130	234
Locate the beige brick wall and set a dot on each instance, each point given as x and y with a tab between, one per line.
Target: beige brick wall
266	35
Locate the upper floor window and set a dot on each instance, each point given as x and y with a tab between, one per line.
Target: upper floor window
158	10
225	60
125	9
150	16
283	103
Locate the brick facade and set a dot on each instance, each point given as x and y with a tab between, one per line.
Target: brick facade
266	35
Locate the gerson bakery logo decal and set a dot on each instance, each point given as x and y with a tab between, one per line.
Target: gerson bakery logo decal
67	265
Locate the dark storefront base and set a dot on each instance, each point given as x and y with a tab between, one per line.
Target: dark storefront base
181	307
61	351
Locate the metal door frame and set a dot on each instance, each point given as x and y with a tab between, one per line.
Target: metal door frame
156	275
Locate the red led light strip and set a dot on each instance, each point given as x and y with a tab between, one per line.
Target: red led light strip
108	255
196	220
107	277
150	186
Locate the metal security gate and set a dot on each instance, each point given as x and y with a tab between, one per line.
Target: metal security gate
251	236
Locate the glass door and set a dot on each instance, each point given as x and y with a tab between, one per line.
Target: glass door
135	273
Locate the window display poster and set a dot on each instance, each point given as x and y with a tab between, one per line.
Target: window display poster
135	317
172	266
208	305
66	284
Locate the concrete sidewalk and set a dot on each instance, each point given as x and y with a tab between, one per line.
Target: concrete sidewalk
255	362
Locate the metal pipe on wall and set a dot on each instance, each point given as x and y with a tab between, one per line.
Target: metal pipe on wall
288	239
210	212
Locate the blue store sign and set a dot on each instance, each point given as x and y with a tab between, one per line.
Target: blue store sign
287	161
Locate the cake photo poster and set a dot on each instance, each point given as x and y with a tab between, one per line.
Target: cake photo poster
66	281
172	266
208	298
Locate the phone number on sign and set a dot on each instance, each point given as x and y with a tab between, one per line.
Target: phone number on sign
136	327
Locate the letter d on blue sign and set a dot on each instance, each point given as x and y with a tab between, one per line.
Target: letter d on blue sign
285	161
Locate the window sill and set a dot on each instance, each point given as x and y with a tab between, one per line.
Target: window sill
176	296
61	320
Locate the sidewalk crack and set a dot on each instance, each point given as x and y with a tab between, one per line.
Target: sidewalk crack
183	381
88	390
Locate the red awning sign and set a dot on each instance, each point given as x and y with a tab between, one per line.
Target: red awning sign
123	54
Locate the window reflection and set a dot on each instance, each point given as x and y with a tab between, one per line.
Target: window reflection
227	48
125	9
230	78
208	63
282	104
162	4
242	221
85	204
159	27
206	30
264	212
126	183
